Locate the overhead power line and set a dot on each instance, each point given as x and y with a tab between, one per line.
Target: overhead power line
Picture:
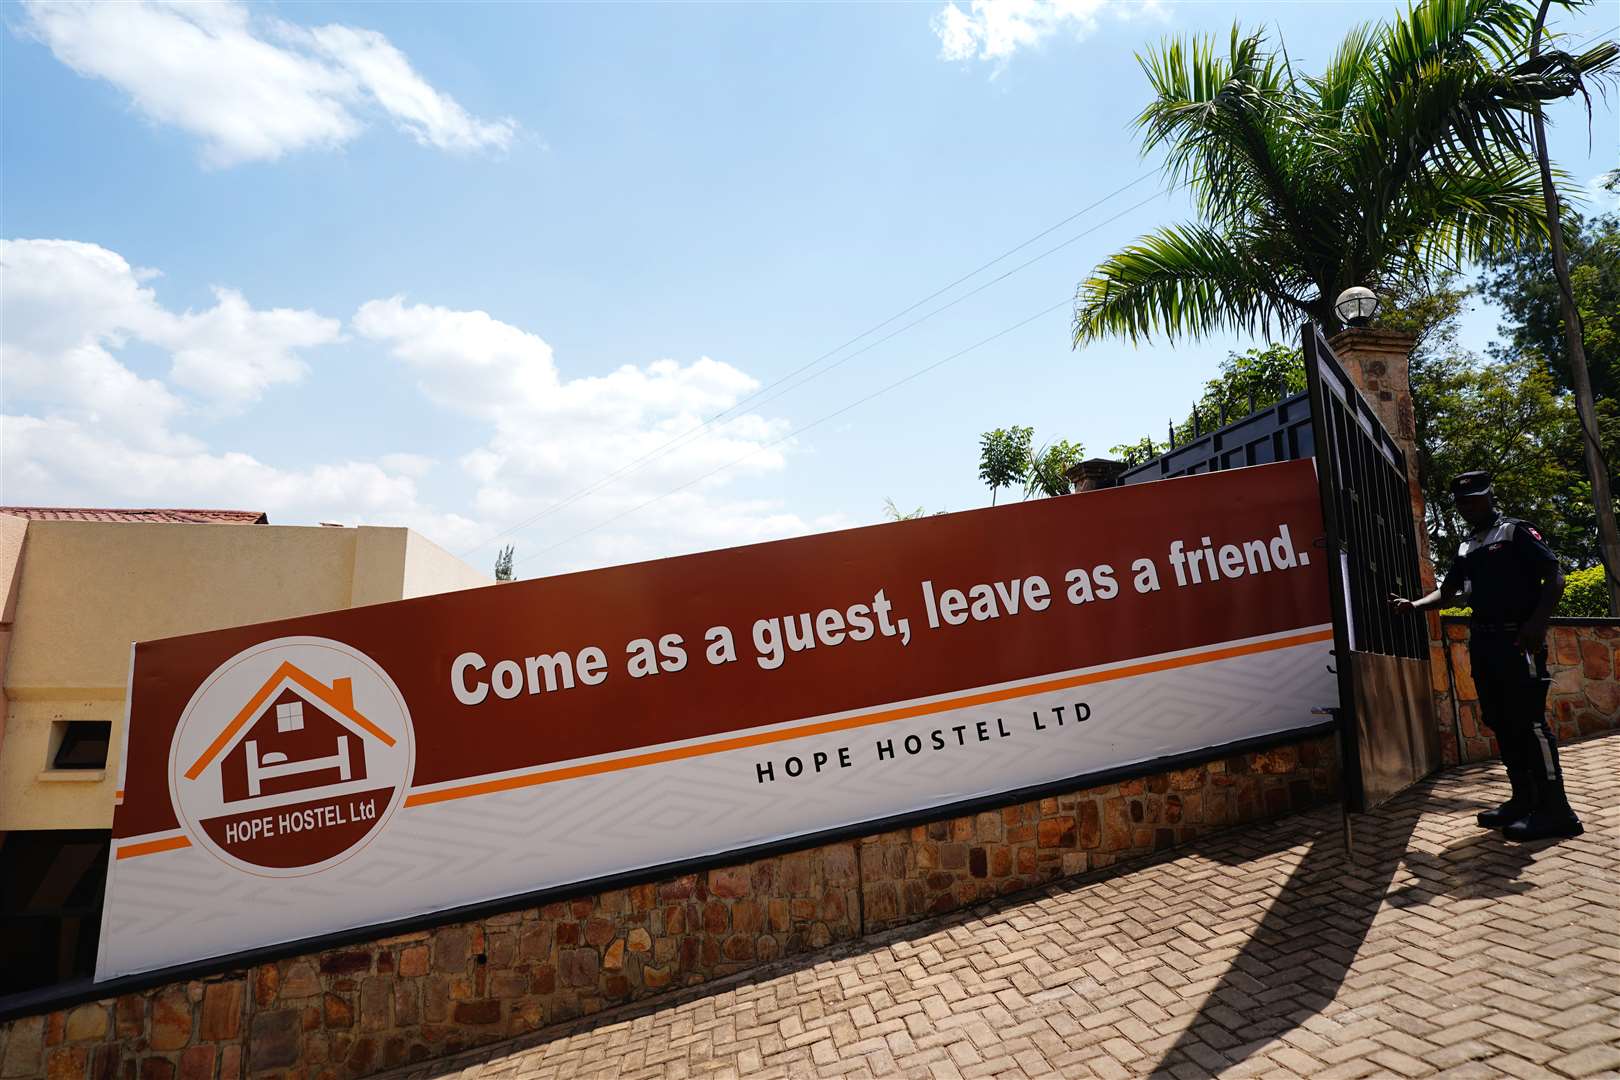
965	296
753	397
814	423
868	397
676	440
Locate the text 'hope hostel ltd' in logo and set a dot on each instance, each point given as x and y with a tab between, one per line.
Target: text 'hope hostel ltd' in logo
290	756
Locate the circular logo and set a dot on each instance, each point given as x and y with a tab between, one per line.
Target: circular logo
290	756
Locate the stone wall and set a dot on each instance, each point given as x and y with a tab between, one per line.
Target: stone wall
354	1011
1583	656
912	873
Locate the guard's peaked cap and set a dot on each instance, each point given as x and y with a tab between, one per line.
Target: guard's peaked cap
1470	483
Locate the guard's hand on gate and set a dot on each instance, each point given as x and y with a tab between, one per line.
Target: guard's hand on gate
1401	603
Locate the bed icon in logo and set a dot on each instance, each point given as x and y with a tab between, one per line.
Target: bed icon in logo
291	756
300	739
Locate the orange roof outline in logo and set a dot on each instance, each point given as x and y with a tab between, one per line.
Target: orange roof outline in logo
339	697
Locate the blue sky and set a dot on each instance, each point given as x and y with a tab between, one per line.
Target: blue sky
446	265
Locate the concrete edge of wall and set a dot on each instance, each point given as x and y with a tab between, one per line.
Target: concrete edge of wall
352	1010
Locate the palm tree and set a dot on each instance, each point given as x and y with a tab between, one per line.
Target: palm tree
1404	156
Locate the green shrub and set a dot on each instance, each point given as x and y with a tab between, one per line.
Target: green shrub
1585	595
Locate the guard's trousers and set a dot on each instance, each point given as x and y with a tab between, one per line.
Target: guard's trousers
1513	704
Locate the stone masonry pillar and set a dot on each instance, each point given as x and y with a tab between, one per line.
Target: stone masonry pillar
1094	473
1379	361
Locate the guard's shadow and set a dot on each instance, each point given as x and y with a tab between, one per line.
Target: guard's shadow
1482	865
1297	958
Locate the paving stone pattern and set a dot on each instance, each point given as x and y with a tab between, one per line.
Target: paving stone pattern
352	1011
1443	951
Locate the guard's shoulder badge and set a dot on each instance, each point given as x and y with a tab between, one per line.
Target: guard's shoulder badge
1520	523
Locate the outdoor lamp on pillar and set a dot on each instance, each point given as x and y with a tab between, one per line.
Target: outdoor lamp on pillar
1356	306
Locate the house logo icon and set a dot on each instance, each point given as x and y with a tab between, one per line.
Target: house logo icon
291	756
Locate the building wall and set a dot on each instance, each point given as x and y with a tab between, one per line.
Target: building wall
86	590
12	532
352	1011
430	569
1583	656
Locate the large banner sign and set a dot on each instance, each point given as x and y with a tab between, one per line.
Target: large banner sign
296	778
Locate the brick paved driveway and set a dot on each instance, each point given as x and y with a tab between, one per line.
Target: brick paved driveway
1259	952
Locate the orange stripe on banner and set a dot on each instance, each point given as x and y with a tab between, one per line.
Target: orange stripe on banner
635	761
152	847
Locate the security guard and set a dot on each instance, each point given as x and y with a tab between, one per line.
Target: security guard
1512	581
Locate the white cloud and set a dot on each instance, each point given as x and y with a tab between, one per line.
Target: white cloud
65	303
231	353
1603	200
432	118
253	88
64	461
994	30
564	430
83	426
413	465
61	304
551	437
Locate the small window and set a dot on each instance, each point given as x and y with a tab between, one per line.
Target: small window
83	745
290	717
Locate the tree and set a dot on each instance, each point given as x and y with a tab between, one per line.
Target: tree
1510	419
1048	471
1252	379
1428	310
894	513
1521	280
1570	315
1597	469
1508	416
1586	595
1134	454
503	563
1004	457
1405	155
1261	376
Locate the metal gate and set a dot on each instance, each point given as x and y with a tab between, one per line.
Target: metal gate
1387	732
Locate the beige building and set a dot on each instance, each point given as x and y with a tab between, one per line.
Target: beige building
77	587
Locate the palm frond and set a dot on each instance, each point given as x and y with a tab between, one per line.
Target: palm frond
1343	83
1230	126
1449	31
1477	211
1454	84
1183	280
1407	154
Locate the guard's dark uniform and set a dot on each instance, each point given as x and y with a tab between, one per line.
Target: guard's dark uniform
1502	568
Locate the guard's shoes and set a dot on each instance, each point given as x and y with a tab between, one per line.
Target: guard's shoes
1542	825
1506	814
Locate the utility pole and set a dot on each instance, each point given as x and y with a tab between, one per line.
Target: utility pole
1608	537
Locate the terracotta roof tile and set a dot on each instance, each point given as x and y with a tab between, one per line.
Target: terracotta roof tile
139	514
